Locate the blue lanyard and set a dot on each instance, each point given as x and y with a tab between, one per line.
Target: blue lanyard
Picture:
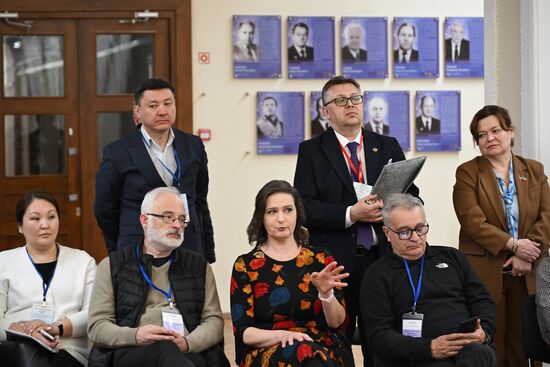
45	286
148	280
416	290
175	175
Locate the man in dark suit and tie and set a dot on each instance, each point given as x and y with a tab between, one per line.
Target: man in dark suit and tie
457	48
425	122
352	51
154	155
378	110
406	34
330	168
300	51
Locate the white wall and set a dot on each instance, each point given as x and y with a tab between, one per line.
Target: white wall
535	80
227	106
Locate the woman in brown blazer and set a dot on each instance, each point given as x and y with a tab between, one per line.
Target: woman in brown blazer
502	202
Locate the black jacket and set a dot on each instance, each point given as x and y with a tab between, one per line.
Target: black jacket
451	292
326	188
127	173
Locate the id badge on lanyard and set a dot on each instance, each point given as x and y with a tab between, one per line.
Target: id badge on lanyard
43	311
173	320
412	324
171	317
412	321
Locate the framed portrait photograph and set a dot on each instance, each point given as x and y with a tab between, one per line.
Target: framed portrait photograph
415	47
387	113
279	122
364	47
463	48
256	52
437	121
310	51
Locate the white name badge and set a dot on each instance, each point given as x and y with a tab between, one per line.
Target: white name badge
42	311
361	190
412	324
172	319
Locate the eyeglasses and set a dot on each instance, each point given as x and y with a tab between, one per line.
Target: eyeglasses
406	234
171	218
343	101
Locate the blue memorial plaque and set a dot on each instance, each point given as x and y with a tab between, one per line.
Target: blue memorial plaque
279	122
387	113
364	49
437	121
310	50
256	46
416	47
464	47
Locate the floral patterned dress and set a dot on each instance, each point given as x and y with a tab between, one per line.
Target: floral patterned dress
270	294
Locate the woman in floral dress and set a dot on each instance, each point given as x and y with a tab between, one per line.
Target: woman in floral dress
287	304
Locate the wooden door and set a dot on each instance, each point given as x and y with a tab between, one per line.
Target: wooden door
116	58
39	116
67	91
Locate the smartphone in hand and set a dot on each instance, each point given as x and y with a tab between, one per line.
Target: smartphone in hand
468	326
47	335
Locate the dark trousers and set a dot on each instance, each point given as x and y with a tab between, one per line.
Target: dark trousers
25	353
351	294
472	355
509	335
164	353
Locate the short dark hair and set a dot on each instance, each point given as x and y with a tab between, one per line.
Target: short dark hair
337	80
400	201
501	115
256	231
302	25
26	200
272	98
423	98
249	23
151	84
407	25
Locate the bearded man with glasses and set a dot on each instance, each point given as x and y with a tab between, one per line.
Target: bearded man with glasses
334	173
155	304
414	301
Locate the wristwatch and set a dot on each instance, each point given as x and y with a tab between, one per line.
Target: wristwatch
488	340
60	327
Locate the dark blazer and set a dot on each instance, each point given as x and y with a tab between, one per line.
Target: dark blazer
348	56
316	127
414	55
294	56
435	128
480	211
385	128
464	50
127	173
326	188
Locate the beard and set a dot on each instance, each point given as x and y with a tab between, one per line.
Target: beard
159	239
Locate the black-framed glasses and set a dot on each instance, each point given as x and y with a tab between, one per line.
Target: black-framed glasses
407	233
343	101
171	218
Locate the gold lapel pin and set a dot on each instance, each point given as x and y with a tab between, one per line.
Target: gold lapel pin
375	150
